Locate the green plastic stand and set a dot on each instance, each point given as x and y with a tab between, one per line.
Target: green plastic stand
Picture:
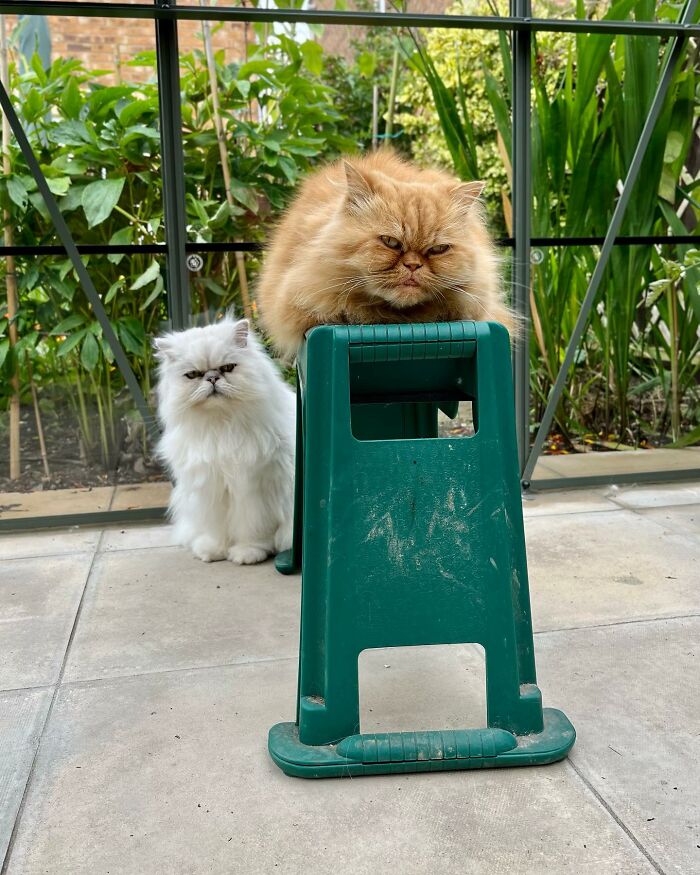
404	539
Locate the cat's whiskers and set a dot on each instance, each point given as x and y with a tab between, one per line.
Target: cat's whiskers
302	296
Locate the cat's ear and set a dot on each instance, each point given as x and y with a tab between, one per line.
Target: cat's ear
359	189
467	193
240	333
162	347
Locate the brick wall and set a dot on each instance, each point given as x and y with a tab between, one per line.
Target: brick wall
106	43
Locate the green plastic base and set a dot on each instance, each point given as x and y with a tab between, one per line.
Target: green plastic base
433	751
284	563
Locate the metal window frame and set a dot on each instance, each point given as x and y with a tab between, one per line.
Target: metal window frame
166	14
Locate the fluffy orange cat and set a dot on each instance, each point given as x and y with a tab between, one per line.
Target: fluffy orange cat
375	239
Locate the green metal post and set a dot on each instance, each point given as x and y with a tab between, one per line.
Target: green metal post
522	197
172	168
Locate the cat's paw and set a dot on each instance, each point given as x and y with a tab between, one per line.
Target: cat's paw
207	549
242	554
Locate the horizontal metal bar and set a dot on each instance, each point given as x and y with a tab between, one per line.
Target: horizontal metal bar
367	19
684	474
249	246
87	249
94	518
639	240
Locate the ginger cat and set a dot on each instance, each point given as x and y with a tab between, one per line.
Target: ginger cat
376	240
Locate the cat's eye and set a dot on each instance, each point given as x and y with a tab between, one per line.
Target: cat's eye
440	249
192	375
226	369
391	242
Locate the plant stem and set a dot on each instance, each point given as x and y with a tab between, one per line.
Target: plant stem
10	275
389	129
675	397
375	116
37	417
223	156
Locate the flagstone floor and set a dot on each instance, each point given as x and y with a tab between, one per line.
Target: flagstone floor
137	687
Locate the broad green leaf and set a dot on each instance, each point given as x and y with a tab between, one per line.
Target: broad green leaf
71	342
4	349
674	145
71	132
70	165
89	352
59	186
151	272
132	335
243	86
73	199
244	195
136	110
18	193
213	286
157	290
100	198
288	167
33	105
68	324
122	237
112	291
312	53
71	99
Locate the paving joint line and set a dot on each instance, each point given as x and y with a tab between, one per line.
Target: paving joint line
70	554
29	689
263	660
49	712
618	623
618	820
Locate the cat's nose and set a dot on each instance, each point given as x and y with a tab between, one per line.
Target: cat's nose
212	376
412	265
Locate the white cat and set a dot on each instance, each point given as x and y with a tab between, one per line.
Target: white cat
228	440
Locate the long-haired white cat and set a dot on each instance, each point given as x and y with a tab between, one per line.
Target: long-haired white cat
228	440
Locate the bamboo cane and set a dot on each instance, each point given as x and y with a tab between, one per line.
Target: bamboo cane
10	274
375	117
223	155
37	417
389	130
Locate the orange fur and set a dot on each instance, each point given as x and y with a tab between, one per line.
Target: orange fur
327	263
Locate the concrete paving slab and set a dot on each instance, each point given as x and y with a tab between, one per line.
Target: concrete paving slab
25	505
631	691
681	518
668	495
137	537
444	684
596	568
170	773
39	599
22	715
569	501
49	543
135	495
162	609
623	462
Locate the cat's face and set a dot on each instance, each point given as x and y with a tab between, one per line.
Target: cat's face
408	242
204	367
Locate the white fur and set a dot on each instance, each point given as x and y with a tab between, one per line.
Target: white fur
230	452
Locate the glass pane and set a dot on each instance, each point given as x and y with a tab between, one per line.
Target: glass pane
91	116
634	383
80	434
